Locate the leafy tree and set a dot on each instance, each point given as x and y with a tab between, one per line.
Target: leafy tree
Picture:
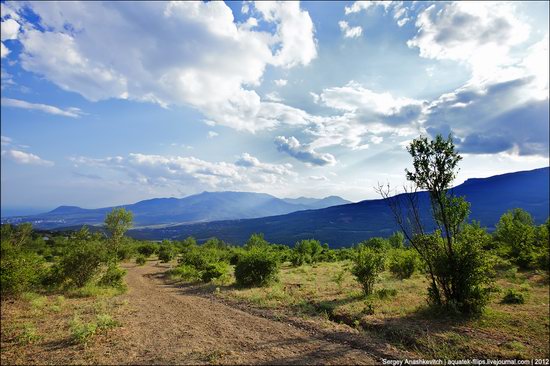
368	263
117	222
456	264
515	235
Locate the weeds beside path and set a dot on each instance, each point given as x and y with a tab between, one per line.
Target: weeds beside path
165	326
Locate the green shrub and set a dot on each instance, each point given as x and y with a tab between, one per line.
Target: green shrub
105	321
368	263
257	267
306	252
80	263
513	297
403	263
379	244
214	271
113	277
140	260
28	334
82	332
167	252
147	249
185	272
20	270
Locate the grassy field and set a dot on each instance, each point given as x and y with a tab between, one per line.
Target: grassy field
58	328
397	313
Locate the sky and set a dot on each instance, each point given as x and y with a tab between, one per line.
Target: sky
111	103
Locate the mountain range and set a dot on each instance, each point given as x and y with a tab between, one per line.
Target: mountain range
234	216
206	206
347	224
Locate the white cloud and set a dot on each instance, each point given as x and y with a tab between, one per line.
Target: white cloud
318	178
4	51
273	97
9	29
177	171
212	134
16	103
294	30
371	106
102	51
22	157
478	33
350	32
304	153
5	140
280	82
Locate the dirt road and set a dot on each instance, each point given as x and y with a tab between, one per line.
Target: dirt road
163	325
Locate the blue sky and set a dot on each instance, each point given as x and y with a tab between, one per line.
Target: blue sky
111	103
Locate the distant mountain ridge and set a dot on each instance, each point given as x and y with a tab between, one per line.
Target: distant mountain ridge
202	207
347	224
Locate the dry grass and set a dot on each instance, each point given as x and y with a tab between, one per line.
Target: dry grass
397	313
39	327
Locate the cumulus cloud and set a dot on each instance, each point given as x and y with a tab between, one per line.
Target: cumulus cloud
22	157
497	117
303	153
478	33
350	32
358	6
9	29
212	134
247	172
16	103
102	50
318	178
370	105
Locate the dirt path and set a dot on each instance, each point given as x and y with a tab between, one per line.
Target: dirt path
166	326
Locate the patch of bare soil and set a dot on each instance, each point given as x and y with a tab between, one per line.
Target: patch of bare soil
163	325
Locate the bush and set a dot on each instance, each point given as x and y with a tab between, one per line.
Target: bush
306	252
20	270
80	263
147	249
167	252
403	263
465	274
368	263
82	332
113	277
516	237
215	271
185	272
513	297
140	260
257	267
202	258
379	244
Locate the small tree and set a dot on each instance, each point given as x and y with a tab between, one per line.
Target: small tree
515	235
117	222
368	263
455	263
